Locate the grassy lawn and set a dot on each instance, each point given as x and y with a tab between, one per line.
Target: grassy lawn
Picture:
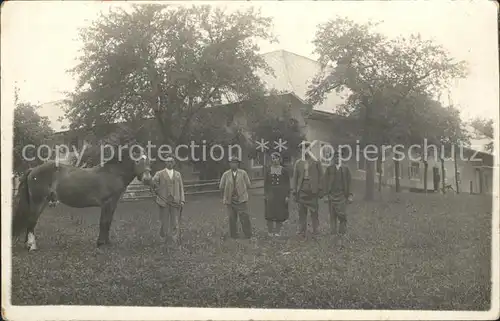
407	251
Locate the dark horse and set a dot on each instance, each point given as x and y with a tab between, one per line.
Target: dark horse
99	186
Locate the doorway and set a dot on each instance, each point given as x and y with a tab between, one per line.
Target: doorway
478	181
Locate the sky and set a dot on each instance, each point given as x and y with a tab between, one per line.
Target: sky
39	40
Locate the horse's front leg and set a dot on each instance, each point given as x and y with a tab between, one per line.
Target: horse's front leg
31	224
107	212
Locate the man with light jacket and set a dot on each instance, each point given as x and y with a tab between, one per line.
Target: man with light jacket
234	185
170	199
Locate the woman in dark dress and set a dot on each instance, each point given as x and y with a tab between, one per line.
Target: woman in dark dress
276	195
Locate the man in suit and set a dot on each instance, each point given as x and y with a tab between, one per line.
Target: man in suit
170	199
234	185
337	187
307	189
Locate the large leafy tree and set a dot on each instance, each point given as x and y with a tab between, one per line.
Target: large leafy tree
215	129
29	128
381	76
167	63
282	129
244	124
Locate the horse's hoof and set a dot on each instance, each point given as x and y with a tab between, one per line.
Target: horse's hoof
31	248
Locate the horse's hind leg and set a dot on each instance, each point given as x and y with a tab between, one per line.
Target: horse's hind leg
52	199
31	223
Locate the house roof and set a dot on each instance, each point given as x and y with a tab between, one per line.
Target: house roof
54	110
325	115
295	73
478	142
219	109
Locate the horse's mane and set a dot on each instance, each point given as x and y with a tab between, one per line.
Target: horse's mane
125	156
122	136
92	156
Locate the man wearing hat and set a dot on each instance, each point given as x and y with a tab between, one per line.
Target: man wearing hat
170	199
234	185
307	189
337	184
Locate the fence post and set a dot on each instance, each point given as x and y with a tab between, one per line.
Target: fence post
470	186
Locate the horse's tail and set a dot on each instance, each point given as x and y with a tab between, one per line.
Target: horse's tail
21	205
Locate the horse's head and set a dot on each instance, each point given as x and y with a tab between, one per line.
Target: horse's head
142	167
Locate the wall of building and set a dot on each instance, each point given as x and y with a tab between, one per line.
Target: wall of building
468	171
411	171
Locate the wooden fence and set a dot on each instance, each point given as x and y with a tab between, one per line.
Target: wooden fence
138	191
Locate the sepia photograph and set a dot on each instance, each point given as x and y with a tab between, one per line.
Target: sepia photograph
250	160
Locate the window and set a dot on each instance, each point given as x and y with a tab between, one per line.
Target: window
229	120
257	166
476	162
380	166
258	161
215	153
393	171
257	173
414	170
196	168
361	162
61	151
74	143
287	160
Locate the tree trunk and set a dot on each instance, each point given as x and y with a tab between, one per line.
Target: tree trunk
426	167
457	183
396	175
443	176
165	133
370	180
367	140
379	168
164	125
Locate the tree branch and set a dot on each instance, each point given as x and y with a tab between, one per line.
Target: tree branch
411	88
193	111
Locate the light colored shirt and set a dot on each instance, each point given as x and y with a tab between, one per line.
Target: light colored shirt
170	172
337	166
